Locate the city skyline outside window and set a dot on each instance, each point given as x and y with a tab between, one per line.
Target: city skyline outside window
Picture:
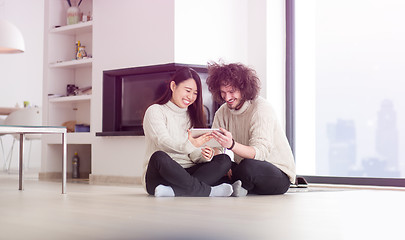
349	88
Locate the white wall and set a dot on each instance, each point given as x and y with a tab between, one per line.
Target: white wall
126	33
21	74
211	30
258	41
276	56
251	32
143	32
227	30
129	33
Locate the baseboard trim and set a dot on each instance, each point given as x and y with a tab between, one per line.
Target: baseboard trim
114	180
58	175
49	175
94	179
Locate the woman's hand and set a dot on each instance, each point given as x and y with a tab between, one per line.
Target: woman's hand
207	152
224	137
199	141
229	174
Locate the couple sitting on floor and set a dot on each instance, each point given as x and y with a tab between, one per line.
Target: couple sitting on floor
178	164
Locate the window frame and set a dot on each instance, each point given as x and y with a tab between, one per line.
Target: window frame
290	114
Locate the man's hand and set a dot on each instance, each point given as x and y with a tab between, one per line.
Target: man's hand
224	137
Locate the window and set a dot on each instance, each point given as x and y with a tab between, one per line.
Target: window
349	101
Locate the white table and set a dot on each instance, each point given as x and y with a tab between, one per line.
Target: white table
22	130
8	110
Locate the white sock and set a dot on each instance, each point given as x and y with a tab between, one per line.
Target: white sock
222	190
238	190
164	191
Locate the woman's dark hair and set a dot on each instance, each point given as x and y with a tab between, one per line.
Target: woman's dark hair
236	75
195	110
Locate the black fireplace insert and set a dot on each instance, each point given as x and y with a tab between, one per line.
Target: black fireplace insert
128	92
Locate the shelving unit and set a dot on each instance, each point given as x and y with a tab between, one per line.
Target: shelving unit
73	63
82	27
79	98
72	138
61	68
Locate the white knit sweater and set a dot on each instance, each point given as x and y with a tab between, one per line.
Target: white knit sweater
255	124
165	127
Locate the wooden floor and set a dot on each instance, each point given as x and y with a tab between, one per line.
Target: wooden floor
126	212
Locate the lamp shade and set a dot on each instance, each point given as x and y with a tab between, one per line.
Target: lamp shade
11	39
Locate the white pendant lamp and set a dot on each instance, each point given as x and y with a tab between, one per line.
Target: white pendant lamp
11	39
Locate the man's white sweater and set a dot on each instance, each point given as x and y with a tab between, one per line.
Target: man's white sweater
255	124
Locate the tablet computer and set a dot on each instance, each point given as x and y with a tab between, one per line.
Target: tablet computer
196	132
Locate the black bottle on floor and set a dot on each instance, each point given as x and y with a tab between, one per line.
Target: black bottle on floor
76	165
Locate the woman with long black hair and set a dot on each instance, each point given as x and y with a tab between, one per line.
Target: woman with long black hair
176	163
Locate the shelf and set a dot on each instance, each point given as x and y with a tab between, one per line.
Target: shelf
79	98
72	138
61	69
73	63
74	29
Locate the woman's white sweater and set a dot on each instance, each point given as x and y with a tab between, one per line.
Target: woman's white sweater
165	127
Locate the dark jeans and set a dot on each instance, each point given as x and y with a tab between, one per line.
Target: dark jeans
194	181
259	177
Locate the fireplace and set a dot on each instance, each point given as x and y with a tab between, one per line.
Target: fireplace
128	92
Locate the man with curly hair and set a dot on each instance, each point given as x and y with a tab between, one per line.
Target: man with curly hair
264	163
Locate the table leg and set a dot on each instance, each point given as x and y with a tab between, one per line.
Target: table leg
64	163
21	162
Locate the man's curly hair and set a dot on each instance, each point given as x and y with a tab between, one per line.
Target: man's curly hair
235	75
